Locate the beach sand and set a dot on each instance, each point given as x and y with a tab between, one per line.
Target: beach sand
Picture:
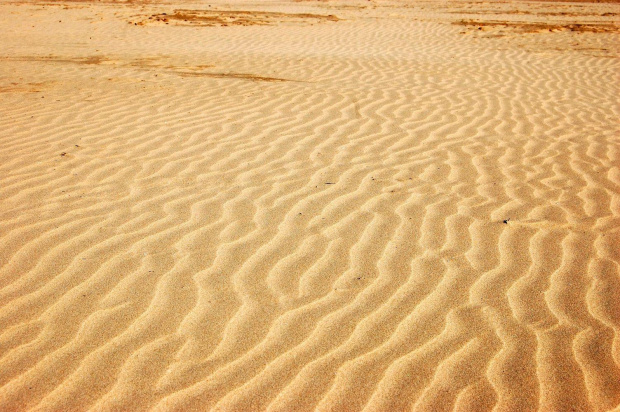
309	205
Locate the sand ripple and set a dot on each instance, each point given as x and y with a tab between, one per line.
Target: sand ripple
380	212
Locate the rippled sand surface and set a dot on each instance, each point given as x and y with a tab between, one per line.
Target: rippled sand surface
296	206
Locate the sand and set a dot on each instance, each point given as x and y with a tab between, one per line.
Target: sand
295	206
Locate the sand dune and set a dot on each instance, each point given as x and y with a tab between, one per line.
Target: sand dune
291	206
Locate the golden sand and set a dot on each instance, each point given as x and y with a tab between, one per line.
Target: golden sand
296	206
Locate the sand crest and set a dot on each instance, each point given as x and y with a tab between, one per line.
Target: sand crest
309	205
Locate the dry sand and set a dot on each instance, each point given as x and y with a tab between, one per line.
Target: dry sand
295	206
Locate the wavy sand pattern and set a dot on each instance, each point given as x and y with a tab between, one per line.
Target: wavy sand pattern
403	206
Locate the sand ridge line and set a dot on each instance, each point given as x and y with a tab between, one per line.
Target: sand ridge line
534	13
223	18
88	60
535	27
28	87
147	63
242	76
